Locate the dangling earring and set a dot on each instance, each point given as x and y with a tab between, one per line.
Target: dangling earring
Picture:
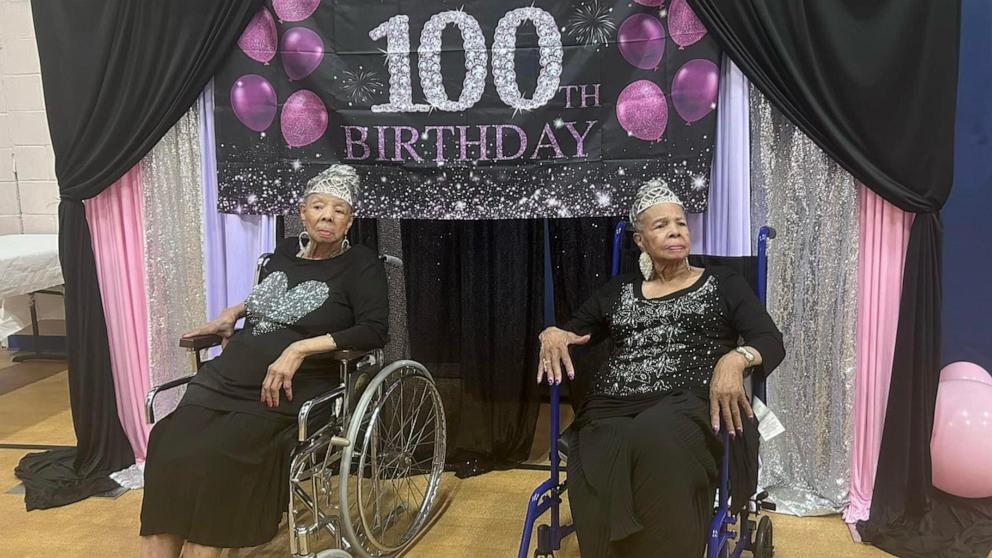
345	245
304	240
646	265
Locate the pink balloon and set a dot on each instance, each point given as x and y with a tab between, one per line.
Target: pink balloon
258	40
642	110
304	118
302	51
650	3
965	371
294	10
641	40
695	88
961	444
683	25
254	101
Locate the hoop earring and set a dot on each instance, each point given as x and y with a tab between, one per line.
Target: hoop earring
646	265
304	241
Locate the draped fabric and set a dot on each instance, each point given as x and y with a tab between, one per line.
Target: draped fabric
883	232
117	223
909	517
812	286
474	298
233	243
173	252
116	76
724	229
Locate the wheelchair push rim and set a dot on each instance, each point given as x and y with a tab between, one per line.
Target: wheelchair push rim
395	460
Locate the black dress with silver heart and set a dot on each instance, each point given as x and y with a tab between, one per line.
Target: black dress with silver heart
217	466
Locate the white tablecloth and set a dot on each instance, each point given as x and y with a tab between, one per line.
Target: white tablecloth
28	263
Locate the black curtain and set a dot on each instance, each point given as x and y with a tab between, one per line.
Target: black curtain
474	305
874	84
117	75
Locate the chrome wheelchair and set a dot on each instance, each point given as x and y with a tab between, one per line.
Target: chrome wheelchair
754	531
366	469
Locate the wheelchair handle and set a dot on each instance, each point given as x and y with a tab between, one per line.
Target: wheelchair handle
391	261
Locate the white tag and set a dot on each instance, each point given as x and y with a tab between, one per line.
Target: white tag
768	424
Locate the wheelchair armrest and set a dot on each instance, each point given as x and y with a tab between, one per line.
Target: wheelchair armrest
198	342
152	393
348	355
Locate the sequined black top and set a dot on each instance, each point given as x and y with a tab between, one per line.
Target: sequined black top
345	296
673	341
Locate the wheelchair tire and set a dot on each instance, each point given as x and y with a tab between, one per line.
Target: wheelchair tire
391	471
763	546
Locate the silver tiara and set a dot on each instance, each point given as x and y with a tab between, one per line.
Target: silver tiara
337	180
653	192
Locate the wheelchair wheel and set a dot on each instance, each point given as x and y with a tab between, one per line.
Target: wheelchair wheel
391	472
763	547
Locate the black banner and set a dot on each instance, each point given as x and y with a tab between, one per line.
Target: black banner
469	110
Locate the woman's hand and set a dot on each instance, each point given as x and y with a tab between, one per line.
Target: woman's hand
222	325
727	396
280	376
554	353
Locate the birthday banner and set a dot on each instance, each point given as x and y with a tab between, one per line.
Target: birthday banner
469	109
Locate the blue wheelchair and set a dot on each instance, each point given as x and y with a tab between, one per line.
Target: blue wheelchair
755	530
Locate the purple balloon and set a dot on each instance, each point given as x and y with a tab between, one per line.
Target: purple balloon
695	88
641	39
683	25
258	40
642	110
302	51
294	10
254	101
304	118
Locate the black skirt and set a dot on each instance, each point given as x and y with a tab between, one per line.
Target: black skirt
641	483
217	478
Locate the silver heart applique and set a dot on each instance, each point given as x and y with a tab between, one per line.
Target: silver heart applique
270	306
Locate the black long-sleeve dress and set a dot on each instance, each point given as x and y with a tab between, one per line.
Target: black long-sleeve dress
217	467
643	477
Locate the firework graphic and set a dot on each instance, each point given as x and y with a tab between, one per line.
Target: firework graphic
361	86
592	23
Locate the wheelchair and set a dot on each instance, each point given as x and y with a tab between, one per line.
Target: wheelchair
369	454
755	530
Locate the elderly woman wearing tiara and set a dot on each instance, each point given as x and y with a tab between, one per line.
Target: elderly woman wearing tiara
217	468
642	479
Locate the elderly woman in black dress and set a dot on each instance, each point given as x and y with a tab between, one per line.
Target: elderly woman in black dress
217	470
642	479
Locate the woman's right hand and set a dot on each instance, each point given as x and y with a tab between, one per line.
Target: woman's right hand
222	325
554	353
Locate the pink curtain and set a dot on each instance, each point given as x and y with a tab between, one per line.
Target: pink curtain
116	224
884	233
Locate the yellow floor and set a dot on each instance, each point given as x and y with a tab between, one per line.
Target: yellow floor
479	517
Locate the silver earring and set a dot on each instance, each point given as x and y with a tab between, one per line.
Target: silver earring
304	240
345	244
646	265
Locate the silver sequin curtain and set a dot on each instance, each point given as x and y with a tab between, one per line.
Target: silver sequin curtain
812	280
173	252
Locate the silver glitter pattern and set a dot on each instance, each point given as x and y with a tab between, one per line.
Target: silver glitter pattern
429	55
550	58
662	344
812	296
272	305
174	276
396	31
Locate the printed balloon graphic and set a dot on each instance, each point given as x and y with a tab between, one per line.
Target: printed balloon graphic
695	88
302	51
294	10
254	101
642	110
683	25
258	40
641	40
304	118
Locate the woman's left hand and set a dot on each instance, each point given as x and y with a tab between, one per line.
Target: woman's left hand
280	376
727	396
